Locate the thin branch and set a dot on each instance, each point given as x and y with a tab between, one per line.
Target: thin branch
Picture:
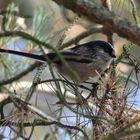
20	75
66	82
46	119
25	36
44	123
81	36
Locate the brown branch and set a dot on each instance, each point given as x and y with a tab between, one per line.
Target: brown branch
101	15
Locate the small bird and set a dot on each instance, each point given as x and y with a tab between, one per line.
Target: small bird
85	59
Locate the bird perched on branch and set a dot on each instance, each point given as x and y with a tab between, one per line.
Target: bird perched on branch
85	59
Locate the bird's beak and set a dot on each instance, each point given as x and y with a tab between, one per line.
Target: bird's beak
113	54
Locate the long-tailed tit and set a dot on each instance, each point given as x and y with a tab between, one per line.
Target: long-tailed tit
85	59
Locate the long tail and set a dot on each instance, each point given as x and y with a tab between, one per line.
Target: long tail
33	56
69	56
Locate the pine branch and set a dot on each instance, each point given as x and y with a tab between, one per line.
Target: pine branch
100	15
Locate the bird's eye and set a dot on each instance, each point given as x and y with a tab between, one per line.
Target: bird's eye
106	50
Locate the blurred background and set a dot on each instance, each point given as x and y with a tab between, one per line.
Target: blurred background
48	22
